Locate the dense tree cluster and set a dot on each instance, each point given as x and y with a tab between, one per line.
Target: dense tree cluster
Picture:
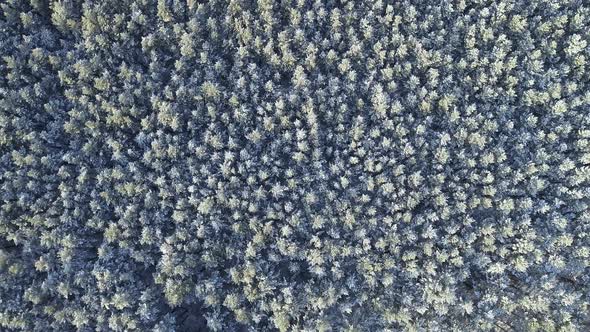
294	165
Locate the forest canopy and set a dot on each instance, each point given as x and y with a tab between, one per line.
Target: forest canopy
294	165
